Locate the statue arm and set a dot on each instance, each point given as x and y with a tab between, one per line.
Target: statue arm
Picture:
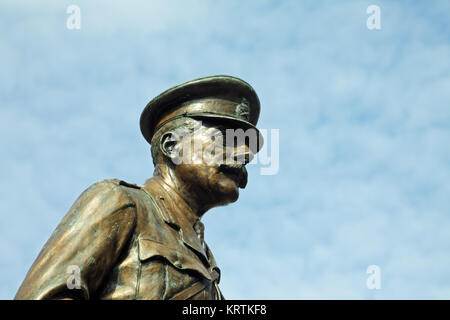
89	239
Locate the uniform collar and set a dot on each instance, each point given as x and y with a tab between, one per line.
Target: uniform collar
176	213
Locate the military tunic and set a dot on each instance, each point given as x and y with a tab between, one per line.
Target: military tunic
128	242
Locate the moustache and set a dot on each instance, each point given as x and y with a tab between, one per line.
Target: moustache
237	170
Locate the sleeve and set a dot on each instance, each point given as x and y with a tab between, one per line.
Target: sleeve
89	239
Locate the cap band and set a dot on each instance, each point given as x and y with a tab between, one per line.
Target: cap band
209	108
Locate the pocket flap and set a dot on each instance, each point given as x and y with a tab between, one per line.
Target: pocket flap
175	256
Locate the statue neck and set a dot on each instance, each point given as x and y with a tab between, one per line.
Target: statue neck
186	196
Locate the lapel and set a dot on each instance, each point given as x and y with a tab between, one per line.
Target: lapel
173	216
215	269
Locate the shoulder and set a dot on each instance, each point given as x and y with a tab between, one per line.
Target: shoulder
105	199
110	188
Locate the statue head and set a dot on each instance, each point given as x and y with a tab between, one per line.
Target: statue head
202	133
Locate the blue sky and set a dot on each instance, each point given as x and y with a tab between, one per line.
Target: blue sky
364	124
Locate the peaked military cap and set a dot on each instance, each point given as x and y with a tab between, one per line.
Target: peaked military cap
216	98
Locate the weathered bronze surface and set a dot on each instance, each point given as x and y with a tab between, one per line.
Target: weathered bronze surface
146	242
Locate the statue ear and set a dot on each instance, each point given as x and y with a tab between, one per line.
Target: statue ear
167	144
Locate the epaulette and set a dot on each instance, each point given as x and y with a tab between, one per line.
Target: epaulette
123	183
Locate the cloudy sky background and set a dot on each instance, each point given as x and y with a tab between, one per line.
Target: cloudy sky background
363	116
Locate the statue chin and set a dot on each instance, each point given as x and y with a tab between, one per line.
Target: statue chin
228	191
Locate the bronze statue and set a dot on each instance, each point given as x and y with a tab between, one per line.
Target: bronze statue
146	242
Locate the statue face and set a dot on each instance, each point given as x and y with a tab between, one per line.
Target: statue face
213	163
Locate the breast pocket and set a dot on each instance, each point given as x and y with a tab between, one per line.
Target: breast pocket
171	269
